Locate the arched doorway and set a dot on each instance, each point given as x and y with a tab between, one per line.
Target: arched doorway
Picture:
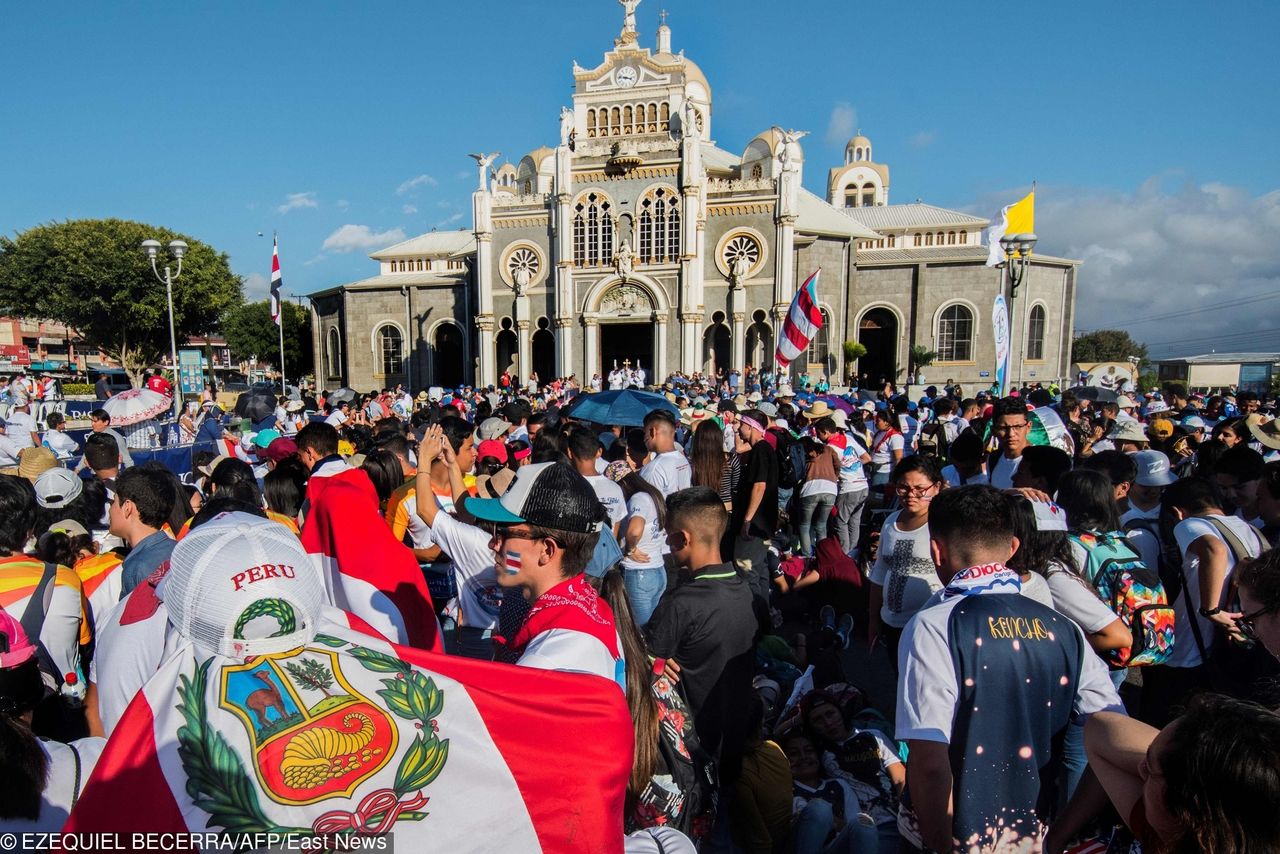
508	348
759	342
628	331
715	346
878	332
446	356
544	351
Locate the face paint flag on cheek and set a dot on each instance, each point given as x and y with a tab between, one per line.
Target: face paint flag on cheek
513	562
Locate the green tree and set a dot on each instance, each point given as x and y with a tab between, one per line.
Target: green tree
250	331
853	351
1106	345
921	357
312	674
91	275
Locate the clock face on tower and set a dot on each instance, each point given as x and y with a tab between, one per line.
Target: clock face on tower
625	77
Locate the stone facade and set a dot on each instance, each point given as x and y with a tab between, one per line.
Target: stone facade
638	238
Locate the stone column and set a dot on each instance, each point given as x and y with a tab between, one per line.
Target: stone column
691	337
784	262
524	357
564	347
488	351
659	366
779	315
591	349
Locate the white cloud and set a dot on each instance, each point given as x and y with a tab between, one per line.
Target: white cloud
293	201
450	221
409	209
1203	251
444	203
256	287
462	175
349	238
342	204
843	120
315	260
416	182
923	139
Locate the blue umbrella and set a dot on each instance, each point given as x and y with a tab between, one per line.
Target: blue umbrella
625	408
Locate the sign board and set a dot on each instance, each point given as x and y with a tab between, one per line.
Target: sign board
17	354
190	371
1000	327
986	375
1255	377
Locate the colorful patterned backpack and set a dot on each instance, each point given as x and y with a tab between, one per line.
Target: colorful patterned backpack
1134	592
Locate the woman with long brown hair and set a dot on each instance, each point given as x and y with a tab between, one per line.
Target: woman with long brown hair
712	465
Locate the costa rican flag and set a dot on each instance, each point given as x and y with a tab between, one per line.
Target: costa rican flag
513	562
276	281
803	322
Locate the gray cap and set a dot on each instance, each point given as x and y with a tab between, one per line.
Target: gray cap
493	428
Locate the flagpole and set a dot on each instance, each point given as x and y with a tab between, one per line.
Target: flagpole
275	249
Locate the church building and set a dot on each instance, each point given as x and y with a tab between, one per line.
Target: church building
637	237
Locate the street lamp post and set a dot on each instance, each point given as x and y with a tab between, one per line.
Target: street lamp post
1017	260
177	249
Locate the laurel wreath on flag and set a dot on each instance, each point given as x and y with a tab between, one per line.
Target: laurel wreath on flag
278	608
218	784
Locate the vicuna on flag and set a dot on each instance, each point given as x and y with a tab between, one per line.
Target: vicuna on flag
803	321
351	734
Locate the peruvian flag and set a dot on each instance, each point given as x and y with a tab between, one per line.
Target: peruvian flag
349	733
803	321
366	570
276	281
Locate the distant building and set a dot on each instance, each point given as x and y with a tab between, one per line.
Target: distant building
1216	372
637	237
43	345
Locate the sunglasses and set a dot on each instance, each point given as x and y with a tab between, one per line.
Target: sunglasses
505	532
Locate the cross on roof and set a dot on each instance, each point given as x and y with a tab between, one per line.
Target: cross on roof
662	17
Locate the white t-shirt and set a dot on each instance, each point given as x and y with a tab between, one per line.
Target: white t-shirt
335	418
954	479
61	444
853	477
1075	599
8	451
653	541
669	472
1035	587
882	448
909	425
126	657
1002	470
868	798
479	595
60	785
20	426
904	568
1187	654
1144	541
610	495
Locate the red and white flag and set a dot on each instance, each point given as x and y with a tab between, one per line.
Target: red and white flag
803	321
349	733
276	281
366	570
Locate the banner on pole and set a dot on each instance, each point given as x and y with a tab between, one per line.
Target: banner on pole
191	371
1000	325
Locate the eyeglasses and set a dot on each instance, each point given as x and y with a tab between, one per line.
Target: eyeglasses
1009	428
917	491
504	532
1244	623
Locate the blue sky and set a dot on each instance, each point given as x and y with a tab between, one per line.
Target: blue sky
1149	127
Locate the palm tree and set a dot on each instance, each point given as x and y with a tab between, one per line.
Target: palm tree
853	351
920	357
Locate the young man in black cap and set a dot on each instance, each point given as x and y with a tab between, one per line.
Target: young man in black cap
545	528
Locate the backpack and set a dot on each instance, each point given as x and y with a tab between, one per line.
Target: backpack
791	461
1134	592
934	441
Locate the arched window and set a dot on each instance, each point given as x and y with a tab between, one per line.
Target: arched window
850	196
964	238
893	241
818	349
628	120
928	238
757	172
526	188
615	121
592	231
659	226
951	238
333	353
664	116
868	195
1035	334
955	334
591	123
917	239
391	350
653	118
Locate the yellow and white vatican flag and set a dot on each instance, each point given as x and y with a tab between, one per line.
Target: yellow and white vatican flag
1017	218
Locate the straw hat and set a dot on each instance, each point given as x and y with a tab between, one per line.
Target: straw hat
820	409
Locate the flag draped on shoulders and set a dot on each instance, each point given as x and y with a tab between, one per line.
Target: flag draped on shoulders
349	733
366	571
803	321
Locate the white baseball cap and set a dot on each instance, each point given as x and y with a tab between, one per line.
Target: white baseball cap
1153	469
58	487
240	585
1123	401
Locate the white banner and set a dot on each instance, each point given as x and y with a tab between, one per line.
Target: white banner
1000	325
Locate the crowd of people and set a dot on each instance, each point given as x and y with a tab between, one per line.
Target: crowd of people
1074	596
